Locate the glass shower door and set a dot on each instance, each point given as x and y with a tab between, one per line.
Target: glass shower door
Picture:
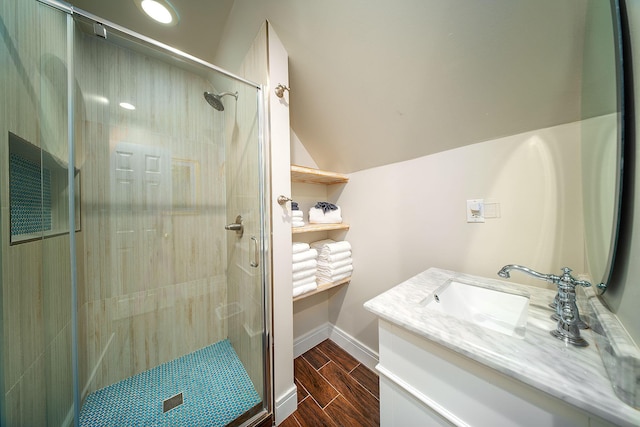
171	303
35	311
246	299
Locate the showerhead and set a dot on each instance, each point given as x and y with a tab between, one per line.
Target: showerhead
216	100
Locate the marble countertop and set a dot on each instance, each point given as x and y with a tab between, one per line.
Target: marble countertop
572	374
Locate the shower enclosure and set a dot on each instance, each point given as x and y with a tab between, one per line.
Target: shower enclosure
133	227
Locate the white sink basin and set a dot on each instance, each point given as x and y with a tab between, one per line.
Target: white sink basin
498	310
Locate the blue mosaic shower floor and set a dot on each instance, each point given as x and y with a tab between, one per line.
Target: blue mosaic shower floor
216	390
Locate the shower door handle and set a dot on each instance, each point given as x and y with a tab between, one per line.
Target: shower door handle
256	252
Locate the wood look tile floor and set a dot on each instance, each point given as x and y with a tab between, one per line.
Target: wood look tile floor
334	389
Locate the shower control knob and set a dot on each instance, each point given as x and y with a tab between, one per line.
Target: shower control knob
236	226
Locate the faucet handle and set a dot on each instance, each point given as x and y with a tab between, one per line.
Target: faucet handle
583	283
568	280
567	314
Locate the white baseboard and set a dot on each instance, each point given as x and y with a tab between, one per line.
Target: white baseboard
355	348
311	339
358	350
286	405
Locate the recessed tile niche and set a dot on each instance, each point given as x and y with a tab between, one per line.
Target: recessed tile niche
38	192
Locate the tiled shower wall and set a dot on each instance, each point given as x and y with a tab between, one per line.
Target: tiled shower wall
154	269
152	265
35	366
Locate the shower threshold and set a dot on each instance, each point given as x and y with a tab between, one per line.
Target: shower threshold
215	387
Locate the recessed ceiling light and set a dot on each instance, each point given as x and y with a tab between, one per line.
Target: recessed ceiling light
159	10
127	106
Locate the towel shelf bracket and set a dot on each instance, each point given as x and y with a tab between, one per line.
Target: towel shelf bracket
283	199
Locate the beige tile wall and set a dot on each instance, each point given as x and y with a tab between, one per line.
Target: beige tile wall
143	299
153	275
36	310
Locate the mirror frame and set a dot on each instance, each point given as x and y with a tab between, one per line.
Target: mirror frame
624	87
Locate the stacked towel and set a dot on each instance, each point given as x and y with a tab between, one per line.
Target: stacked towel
305	266
325	213
297	218
334	260
298	247
309	254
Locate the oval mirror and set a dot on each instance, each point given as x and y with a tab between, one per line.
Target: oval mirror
602	136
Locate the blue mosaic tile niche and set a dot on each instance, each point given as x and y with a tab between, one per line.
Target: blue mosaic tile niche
30	196
215	386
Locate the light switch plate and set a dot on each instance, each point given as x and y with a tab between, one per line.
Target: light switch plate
491	209
475	210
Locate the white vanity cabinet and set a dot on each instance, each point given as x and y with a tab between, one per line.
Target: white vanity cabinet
437	369
426	384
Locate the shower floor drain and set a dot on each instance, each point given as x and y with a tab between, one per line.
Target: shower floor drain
208	387
172	402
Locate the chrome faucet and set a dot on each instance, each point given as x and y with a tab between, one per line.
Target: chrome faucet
567	314
504	272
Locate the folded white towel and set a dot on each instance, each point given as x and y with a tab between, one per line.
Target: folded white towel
323	265
304	265
298	247
304	289
331	248
297	214
319	243
296	224
303	256
303	274
318	216
305	281
333	279
340	256
328	272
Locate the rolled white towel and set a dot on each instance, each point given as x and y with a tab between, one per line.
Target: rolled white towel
333	279
303	274
334	265
304	289
304	265
328	272
318	216
297	214
305	281
303	256
298	247
296	224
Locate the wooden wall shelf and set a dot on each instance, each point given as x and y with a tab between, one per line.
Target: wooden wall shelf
316	176
309	228
323	287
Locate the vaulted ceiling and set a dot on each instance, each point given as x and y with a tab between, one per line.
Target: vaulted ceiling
376	82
